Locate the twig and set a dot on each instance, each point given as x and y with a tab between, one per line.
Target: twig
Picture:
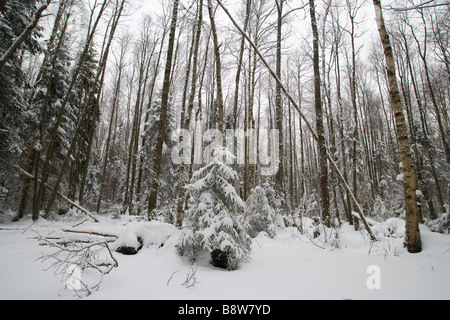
191	279
80	223
81	257
168	281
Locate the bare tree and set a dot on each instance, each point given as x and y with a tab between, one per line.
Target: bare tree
278	97
323	165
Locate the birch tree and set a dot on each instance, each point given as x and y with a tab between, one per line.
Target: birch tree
409	181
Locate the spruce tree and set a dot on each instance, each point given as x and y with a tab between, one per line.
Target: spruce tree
14	18
168	178
259	215
211	221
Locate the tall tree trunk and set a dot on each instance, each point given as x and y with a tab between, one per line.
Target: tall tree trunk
413	240
250	137
355	136
220	105
144	66
147	117
115	104
186	123
239	67
323	165
153	197
279	178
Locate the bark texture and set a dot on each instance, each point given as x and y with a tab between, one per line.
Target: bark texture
413	240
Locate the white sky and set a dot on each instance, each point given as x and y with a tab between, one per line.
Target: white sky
300	22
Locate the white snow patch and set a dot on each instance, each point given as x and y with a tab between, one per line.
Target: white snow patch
289	266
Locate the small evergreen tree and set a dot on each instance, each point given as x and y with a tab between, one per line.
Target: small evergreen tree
211	219
259	215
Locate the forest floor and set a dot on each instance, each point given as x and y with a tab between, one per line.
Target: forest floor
290	266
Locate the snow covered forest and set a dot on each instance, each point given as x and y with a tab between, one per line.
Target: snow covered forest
216	128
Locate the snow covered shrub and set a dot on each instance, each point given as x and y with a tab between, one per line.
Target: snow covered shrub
281	218
211	222
259	215
271	194
441	224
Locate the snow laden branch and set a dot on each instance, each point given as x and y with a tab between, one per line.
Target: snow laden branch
308	124
25	33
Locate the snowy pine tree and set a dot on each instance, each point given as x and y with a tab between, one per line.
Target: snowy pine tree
151	130
168	178
211	220
259	215
14	18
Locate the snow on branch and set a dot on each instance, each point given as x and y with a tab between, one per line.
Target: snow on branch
25	33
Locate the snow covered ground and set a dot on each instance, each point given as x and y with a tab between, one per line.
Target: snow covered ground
290	266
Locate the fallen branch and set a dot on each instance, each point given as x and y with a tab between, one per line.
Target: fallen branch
168	281
369	221
64	243
74	259
92	233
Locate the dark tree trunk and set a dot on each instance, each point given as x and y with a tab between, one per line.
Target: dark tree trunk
323	165
153	197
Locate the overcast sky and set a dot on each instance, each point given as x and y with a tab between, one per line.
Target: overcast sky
300	23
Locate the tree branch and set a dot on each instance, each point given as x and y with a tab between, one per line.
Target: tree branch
424	5
25	33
